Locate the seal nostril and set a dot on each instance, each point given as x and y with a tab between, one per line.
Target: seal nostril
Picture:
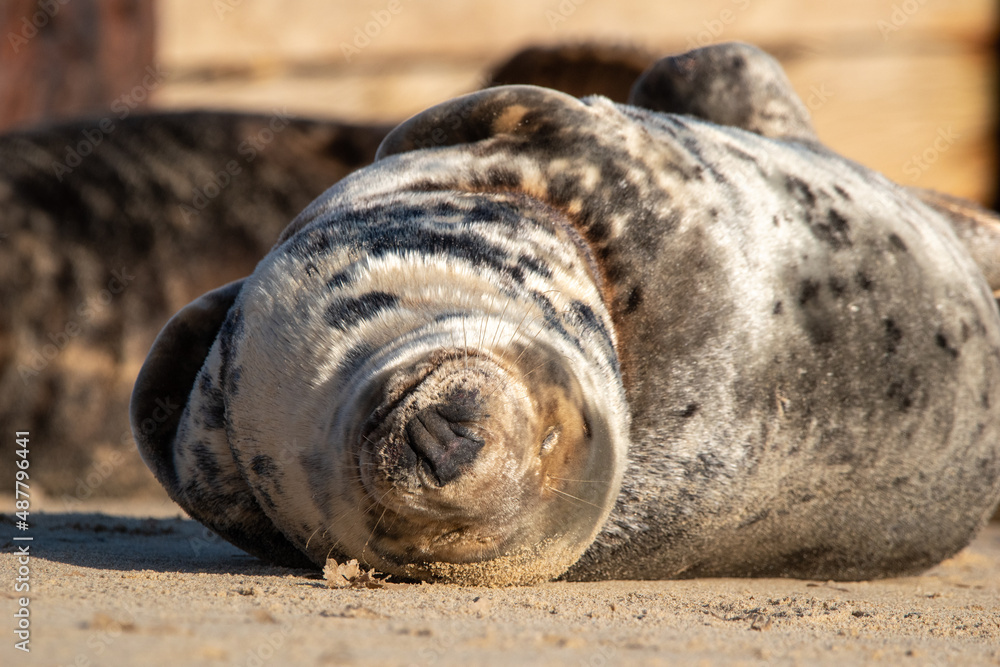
446	449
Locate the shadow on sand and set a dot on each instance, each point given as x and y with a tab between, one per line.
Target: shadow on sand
102	541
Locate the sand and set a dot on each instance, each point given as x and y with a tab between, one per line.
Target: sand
137	583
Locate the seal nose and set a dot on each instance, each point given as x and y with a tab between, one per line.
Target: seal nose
444	445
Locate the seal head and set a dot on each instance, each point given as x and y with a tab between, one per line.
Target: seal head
426	383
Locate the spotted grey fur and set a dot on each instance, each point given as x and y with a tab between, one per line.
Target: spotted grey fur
806	351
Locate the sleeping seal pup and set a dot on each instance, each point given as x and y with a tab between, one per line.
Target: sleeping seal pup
544	337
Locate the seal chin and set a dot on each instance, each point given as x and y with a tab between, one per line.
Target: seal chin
468	460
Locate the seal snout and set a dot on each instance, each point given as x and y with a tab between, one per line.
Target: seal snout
445	429
442	442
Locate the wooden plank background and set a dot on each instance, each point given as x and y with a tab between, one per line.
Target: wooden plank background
886	79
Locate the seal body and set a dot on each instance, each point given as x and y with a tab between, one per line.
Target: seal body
545	336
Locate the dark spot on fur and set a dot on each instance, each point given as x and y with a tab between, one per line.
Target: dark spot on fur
235	375
633	300
312	243
213	412
893	335
743	155
839	225
532	265
897	242
345	313
820	330
339	280
754	518
263	465
833	231
689	410
837	286
817	322
842	192
392	231
504	178
707	465
213	408
597	231
552	319
208	465
584	317
808	291
901	393
801	191
863	281
230	332
778	308
942	341
354	358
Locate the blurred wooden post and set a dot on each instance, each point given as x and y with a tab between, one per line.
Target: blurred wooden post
65	58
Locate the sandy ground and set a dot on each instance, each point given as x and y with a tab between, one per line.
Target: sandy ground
136	583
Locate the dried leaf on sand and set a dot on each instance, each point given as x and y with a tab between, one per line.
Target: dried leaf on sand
351	575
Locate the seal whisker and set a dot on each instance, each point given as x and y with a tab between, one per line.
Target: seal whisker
499	322
486	320
465	344
523	351
570	495
311	536
379	520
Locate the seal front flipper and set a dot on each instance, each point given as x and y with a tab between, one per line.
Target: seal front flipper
728	84
178	420
527	111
